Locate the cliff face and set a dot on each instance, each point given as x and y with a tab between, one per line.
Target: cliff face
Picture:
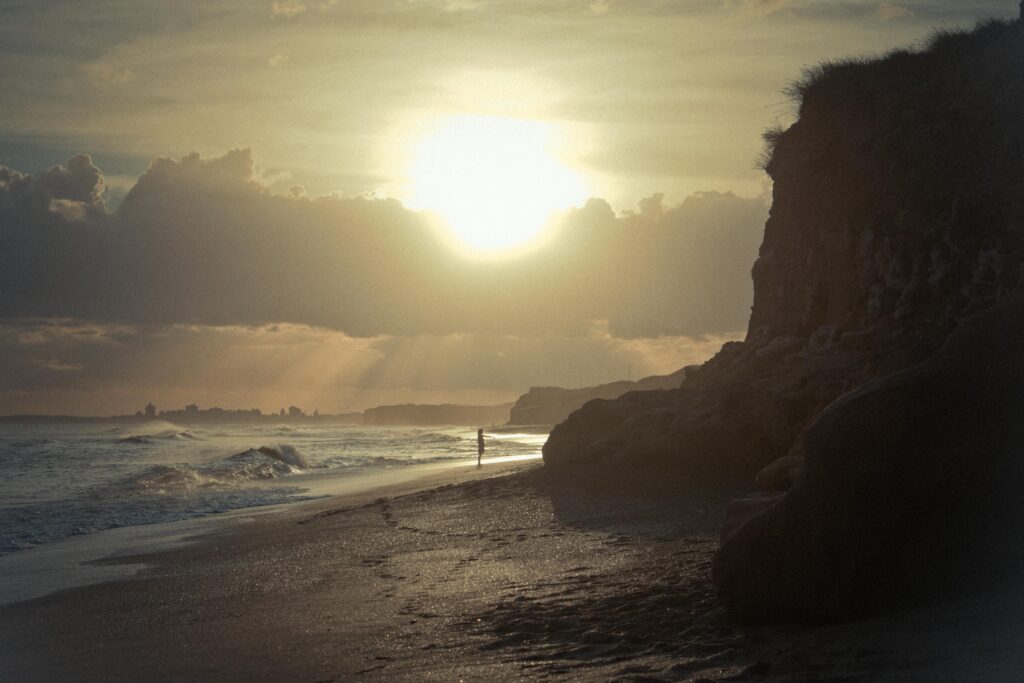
898	213
898	193
550	405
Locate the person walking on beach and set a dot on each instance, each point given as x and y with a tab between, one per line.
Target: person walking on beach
479	445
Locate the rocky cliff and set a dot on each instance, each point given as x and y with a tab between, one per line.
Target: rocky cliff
551	405
897	207
877	393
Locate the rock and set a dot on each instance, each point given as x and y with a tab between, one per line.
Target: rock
780	346
779	475
913	485
731	418
741	510
551	405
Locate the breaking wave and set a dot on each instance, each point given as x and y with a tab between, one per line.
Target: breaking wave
254	464
439	437
168	435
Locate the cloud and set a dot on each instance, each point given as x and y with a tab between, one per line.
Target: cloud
599	7
204	241
278	61
78	180
889	11
755	9
56	365
106	74
73	192
450	5
287	8
459	5
70	210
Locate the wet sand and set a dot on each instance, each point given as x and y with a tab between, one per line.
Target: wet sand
491	574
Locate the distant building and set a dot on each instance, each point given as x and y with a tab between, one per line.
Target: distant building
191	409
150	410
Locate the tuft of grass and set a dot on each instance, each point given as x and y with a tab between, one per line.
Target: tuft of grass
771	138
833	87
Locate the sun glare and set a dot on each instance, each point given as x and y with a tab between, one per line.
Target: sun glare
495	182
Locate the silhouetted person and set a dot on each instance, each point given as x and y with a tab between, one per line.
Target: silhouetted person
479	445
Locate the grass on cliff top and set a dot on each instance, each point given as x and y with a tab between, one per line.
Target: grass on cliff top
960	62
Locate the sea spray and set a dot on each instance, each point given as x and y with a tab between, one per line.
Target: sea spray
287	454
253	464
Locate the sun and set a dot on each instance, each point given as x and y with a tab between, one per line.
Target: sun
494	182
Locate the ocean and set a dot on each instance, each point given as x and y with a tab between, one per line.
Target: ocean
62	480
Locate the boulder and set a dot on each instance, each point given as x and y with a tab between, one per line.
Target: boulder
779	475
742	510
913	486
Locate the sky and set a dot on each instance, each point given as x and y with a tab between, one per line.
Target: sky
266	203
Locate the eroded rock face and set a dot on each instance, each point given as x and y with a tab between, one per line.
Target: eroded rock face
733	416
912	484
898	212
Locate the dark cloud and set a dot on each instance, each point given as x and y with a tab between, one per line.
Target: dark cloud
76	181
203	241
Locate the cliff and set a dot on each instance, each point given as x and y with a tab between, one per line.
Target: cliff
431	415
897	206
551	405
876	395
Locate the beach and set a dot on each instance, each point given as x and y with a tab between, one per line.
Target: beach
497	573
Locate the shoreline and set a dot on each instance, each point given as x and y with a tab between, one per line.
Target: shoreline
95	557
492	574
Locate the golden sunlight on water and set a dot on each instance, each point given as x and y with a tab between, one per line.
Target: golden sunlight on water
494	182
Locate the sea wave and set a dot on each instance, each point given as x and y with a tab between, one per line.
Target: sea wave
254	464
370	462
439	437
168	435
289	455
30	443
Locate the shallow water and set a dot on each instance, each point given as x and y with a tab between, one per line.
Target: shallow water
61	480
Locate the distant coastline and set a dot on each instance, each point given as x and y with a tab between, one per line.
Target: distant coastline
400	415
540	407
228	417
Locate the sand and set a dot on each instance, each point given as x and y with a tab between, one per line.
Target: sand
490	574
